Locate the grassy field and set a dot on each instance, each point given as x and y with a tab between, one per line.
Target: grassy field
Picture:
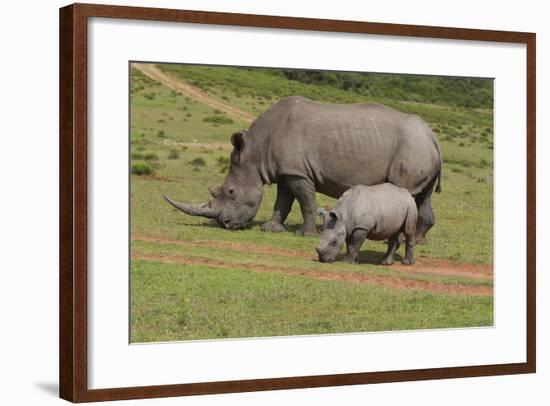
192	280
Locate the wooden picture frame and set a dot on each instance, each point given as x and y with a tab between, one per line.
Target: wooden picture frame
74	201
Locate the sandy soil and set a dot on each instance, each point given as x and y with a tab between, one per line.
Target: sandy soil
193	92
423	265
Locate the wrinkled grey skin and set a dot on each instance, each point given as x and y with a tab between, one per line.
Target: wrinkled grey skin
307	147
370	212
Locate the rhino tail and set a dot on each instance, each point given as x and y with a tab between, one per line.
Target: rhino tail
438	187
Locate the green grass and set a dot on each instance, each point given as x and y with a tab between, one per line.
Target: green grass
463	211
177	302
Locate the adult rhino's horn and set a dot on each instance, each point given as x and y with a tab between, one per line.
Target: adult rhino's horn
196	209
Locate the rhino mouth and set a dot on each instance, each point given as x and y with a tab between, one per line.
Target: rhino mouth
326	259
230	225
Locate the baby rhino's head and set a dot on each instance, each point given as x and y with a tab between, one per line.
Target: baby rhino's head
333	236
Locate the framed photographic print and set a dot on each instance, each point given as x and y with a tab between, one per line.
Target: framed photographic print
255	202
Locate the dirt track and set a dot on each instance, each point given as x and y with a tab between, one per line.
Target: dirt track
193	92
423	265
386	281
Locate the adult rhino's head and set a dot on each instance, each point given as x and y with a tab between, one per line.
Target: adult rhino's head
235	203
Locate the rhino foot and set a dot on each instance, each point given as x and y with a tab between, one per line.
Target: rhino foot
407	261
273	226
351	260
307	232
387	262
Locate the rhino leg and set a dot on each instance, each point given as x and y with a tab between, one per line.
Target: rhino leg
354	243
426	218
283	205
393	246
304	191
410	240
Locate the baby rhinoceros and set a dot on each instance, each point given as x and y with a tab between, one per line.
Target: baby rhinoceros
375	212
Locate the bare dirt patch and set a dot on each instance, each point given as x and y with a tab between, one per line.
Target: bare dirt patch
423	265
449	268
390	282
193	92
234	246
157	178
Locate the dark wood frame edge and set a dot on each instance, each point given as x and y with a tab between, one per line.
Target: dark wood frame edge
73	202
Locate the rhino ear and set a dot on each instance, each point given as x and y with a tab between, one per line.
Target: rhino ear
335	214
323	214
237	140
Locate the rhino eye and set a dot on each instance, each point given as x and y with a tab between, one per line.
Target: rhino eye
231	191
333	242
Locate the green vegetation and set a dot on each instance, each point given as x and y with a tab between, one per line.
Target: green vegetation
173	301
220	291
199	162
217	120
173	154
461	92
223	163
140	168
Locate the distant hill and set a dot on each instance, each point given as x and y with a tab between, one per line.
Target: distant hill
339	87
459	92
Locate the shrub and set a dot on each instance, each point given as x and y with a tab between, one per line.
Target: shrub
136	156
150	156
218	120
198	162
161	134
223	163
173	154
141	168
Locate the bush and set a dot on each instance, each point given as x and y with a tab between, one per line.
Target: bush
223	163
198	162
218	120
173	154
483	163
150	156
141	168
162	134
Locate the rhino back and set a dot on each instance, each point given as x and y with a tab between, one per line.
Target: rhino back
382	209
336	145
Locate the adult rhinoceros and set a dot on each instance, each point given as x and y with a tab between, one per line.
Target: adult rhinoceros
306	147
